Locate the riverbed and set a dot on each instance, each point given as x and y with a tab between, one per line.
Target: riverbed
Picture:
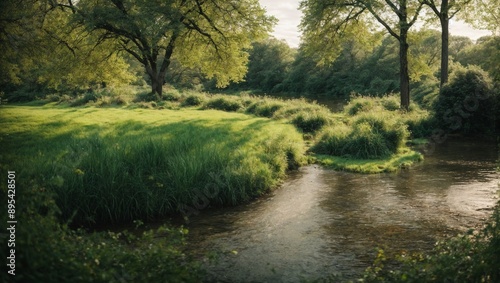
322	223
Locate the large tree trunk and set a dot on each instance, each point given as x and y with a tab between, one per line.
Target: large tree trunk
444	47
404	77
157	84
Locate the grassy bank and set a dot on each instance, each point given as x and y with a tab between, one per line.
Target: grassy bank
103	158
369	136
116	165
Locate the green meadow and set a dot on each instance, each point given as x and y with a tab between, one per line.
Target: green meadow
117	165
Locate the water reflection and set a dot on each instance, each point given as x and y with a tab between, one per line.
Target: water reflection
324	222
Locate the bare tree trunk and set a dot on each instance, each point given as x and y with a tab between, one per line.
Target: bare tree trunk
444	47
157	85
404	77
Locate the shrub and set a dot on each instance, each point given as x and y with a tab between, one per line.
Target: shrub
265	108
146	96
392	131
466	104
119	100
86	98
173	95
52	252
391	103
368	137
473	257
53	98
194	100
224	103
358	104
310	122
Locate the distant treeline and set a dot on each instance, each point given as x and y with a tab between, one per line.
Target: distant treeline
274	67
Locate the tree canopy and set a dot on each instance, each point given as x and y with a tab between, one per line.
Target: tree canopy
209	35
345	18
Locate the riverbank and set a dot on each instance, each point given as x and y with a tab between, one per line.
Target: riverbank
95	163
370	135
95	167
116	165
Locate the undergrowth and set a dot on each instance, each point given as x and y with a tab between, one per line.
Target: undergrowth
471	257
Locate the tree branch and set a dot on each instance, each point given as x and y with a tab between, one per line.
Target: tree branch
382	22
415	16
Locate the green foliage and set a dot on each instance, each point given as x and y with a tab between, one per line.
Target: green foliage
467	104
207	36
473	257
419	122
269	63
86	98
370	136
310	122
224	103
172	95
133	170
194	100
265	107
48	251
485	53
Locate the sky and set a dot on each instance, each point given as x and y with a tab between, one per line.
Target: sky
289	18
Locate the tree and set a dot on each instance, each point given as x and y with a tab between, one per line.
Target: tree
42	49
484	14
20	33
209	35
486	54
328	22
445	10
270	61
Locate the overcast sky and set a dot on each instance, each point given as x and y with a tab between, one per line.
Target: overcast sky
289	18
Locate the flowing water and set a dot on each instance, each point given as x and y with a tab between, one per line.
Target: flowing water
322	222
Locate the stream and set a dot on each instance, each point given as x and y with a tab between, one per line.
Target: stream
322	222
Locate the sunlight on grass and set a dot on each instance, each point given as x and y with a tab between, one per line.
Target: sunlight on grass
115	165
404	159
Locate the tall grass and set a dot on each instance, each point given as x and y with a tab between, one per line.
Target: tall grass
369	136
419	121
48	251
134	171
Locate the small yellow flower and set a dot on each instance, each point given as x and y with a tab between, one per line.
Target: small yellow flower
79	172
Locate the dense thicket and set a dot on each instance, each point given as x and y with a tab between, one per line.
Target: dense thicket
468	103
364	71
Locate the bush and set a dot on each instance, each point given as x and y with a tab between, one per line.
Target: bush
265	108
86	98
51	252
53	98
194	100
368	137
473	257
310	122
119	100
146	96
358	104
391	103
224	103
173	95
466	104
